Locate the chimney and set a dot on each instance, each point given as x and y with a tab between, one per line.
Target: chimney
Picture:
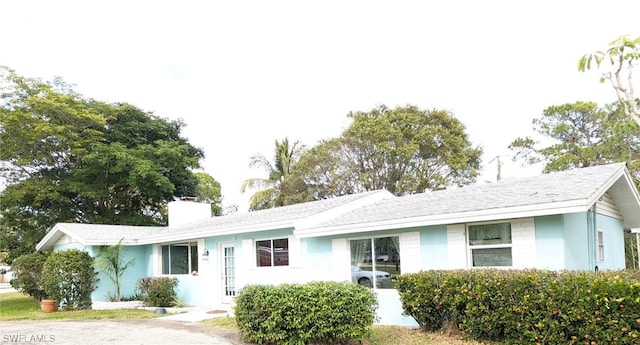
184	212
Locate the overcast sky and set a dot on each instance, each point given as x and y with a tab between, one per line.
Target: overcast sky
242	74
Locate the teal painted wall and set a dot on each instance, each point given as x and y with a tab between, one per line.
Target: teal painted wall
575	241
72	245
433	244
613	243
142	259
550	242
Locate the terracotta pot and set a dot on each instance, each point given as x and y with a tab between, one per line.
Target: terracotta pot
48	305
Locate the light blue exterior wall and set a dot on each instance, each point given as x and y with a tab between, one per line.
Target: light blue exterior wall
433	247
550	243
568	242
142	259
613	232
576	247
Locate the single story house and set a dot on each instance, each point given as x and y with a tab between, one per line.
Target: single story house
572	219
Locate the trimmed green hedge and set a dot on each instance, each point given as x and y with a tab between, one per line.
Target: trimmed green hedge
316	312
529	306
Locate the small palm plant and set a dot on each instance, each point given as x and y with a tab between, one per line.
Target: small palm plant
111	261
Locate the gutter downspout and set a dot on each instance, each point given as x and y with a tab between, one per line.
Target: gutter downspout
592	235
638	248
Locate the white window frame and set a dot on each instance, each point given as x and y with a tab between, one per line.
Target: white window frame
256	248
471	247
189	244
600	244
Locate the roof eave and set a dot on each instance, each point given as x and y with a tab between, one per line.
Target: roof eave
212	232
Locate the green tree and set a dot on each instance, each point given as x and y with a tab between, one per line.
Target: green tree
403	150
209	191
112	262
275	189
66	158
581	134
621	57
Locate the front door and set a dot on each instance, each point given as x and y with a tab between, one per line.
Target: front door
228	273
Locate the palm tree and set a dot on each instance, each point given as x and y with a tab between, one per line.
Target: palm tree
269	192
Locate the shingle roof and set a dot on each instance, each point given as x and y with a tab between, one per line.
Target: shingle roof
275	218
577	185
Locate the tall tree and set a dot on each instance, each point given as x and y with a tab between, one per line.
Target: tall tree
404	150
67	158
209	191
273	191
621	57
581	134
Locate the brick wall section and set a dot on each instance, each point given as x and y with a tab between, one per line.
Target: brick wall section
523	236
456	246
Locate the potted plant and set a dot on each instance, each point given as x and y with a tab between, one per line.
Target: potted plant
49	305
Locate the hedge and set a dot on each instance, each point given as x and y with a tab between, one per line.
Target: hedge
68	277
528	306
317	312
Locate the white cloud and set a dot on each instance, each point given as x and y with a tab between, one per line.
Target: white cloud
245	73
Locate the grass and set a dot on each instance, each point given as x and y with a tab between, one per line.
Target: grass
380	335
17	306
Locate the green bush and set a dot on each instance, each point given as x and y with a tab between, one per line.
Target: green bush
530	306
317	312
68	277
158	291
27	274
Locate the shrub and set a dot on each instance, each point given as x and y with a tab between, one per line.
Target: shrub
27	274
68	277
158	291
529	306
317	312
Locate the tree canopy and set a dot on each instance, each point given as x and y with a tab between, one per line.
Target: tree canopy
581	134
67	158
404	150
275	189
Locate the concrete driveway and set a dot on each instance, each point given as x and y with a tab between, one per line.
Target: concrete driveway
148	331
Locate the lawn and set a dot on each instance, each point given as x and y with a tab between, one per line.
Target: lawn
380	335
17	306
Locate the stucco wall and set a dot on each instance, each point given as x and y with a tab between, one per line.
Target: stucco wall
550	246
613	243
128	282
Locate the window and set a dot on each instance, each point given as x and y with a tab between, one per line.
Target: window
377	267
272	252
600	245
490	245
180	258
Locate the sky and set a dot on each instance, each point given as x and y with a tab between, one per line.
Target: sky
242	74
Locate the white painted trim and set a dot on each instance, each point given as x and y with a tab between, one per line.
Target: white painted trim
340	259
410	252
295	251
457	246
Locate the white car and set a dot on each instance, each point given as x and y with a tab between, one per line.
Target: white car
365	278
